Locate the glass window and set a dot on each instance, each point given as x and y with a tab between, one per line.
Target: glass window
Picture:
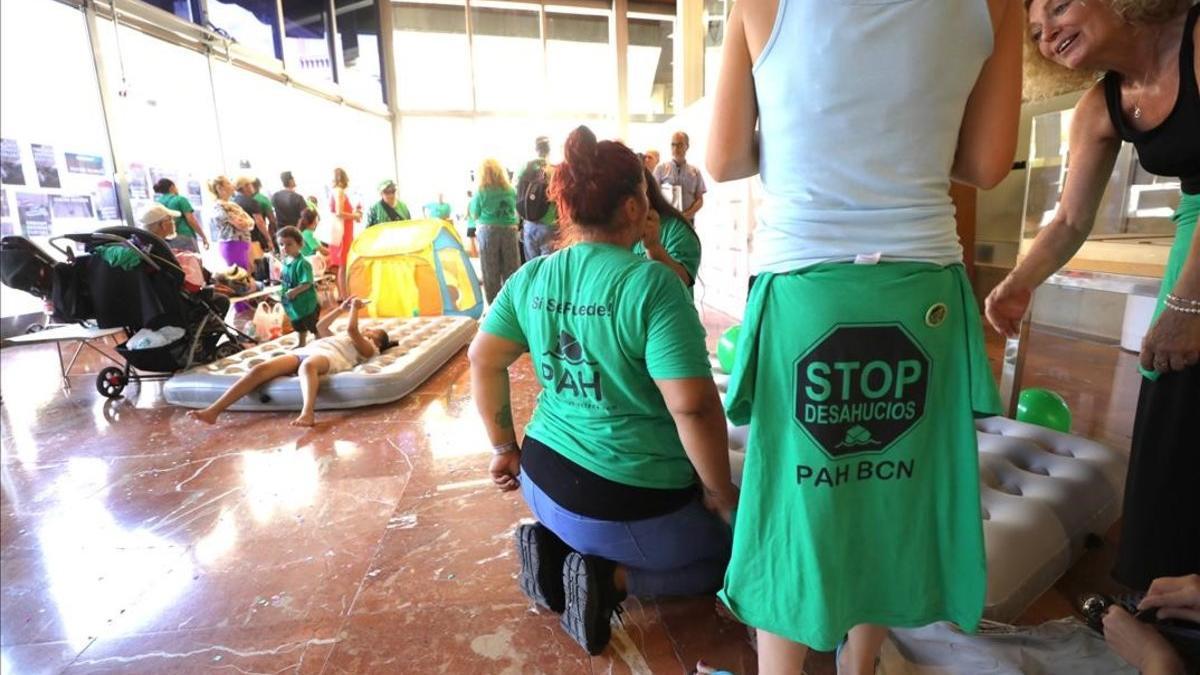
251	23
579	64
651	67
358	28
429	169
184	9
715	12
306	39
164	125
509	72
56	171
433	65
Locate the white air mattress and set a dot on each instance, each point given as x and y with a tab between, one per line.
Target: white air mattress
423	344
1043	492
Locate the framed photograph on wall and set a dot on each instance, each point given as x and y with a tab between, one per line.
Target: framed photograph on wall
12	171
47	165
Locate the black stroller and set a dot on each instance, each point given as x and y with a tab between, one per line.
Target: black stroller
136	283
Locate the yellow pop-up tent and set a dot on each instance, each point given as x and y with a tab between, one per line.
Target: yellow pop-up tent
413	268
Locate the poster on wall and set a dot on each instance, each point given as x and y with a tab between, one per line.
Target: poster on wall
107	207
92	165
195	194
6	224
70	206
12	172
47	165
33	210
138	187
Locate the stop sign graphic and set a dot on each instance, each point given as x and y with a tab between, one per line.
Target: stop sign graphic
860	388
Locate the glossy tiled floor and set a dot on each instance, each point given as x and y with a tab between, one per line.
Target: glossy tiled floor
135	541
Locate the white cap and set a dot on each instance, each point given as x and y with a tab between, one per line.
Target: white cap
155	213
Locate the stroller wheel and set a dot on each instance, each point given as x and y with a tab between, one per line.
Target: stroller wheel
111	382
226	349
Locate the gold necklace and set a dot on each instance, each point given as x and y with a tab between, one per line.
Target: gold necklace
1137	107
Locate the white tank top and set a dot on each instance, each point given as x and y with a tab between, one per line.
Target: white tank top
860	104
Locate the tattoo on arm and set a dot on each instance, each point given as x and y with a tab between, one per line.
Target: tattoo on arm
504	417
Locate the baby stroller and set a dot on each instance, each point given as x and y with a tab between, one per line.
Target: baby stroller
126	278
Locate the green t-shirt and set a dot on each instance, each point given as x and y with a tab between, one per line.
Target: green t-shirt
437	210
379	213
264	204
311	245
183	206
680	242
601	324
495	207
297	272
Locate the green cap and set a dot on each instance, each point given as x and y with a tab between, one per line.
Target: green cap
386	183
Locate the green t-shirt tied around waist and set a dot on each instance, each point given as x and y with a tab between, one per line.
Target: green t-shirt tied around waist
496	207
601	325
1185	229
860	491
297	272
680	242
183	206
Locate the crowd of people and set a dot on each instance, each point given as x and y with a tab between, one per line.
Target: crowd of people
514	225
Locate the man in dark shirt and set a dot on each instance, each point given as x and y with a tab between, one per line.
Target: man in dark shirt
287	202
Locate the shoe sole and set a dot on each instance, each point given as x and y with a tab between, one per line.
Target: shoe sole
583	606
531	557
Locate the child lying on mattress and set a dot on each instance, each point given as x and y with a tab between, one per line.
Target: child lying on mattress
328	355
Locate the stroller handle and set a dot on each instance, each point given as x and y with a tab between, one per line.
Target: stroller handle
102	236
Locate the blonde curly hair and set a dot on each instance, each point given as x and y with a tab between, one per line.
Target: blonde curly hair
1045	79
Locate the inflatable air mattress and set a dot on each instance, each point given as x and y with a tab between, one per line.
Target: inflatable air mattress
423	345
1043	492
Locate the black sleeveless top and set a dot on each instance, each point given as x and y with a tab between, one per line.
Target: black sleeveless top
1173	147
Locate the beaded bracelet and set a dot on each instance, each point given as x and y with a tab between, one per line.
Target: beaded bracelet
1171	297
1180	308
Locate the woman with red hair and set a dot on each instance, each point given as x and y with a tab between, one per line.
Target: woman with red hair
628	419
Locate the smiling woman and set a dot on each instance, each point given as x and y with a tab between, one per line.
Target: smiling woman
1149	96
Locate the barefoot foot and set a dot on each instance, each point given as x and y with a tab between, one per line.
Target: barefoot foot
304	420
207	416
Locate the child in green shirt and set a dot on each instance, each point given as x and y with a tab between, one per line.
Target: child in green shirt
298	292
308	231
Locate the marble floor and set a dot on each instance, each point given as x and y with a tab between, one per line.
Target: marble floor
133	540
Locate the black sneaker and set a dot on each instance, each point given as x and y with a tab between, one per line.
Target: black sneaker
541	553
591	600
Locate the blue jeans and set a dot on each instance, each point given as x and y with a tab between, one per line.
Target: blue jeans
499	255
538	239
682	553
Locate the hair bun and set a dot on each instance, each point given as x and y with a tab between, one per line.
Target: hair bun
581	147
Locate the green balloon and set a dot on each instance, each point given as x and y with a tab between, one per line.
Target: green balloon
1044	408
727	347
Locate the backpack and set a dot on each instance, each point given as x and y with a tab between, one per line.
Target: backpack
532	202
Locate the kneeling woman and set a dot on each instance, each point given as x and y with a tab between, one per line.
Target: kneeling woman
628	419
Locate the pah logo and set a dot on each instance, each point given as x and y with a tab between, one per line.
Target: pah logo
860	388
573	373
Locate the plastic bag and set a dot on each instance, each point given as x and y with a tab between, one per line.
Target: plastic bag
268	321
152	339
276	268
317	261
